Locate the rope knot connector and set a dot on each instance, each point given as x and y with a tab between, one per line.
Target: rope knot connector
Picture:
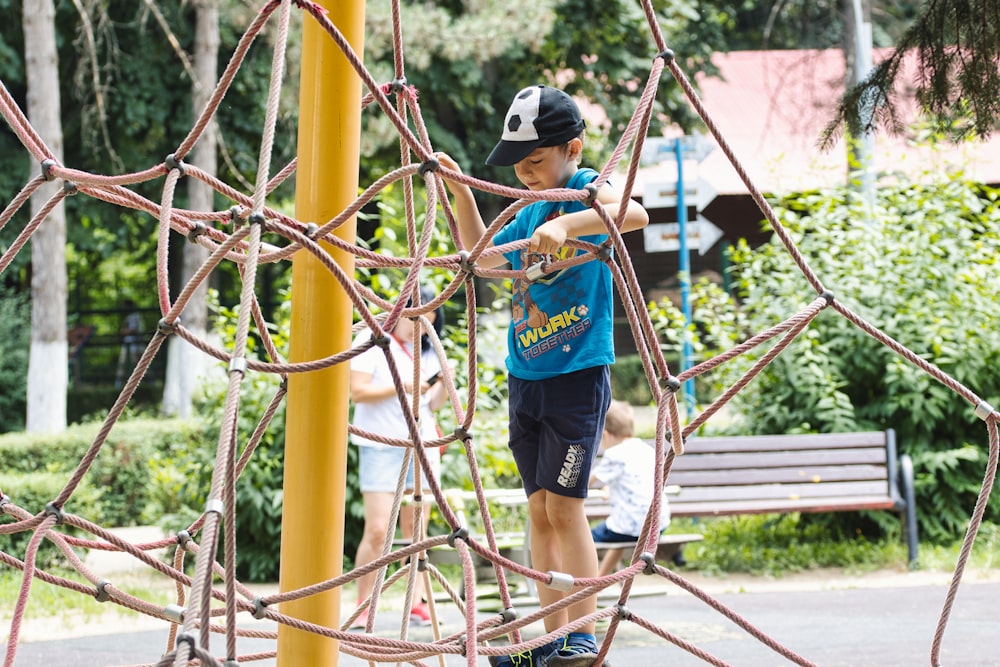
650	561
460	533
464	263
462	433
667	55
102	591
173	163
671	382
175	613
560	581
197	229
381	341
238	364
535	271
257	218
4	499
432	164
828	295
166	328
214	505
623	612
52	509
398	85
311	230
984	410
507	615
70	188
236	214
259	608
183	537
185	638
605	253
591	189
47	167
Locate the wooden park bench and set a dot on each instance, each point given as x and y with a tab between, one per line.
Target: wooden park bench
834	472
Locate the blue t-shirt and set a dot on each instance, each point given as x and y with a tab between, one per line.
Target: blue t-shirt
563	322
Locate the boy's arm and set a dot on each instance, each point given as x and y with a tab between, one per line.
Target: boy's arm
470	223
551	236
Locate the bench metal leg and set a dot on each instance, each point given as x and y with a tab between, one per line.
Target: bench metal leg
910	510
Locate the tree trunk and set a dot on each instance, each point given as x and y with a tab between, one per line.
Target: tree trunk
47	364
858	54
185	365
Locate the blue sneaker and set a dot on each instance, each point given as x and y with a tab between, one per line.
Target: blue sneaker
578	650
531	658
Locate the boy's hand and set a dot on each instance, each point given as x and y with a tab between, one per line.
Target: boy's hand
448	163
548	238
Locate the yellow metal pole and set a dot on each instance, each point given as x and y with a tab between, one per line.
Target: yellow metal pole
312	531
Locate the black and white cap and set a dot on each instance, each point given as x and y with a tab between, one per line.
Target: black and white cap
538	116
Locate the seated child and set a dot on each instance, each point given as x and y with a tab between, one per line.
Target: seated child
627	469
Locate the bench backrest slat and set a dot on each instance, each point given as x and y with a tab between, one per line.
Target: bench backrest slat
830	469
813	474
776	491
731	507
812	457
763	443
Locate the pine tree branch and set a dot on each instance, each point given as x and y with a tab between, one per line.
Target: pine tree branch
957	46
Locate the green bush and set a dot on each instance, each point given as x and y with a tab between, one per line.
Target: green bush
925	271
15	310
32	492
781	544
121	470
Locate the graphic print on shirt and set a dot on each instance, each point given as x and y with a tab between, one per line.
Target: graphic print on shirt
539	331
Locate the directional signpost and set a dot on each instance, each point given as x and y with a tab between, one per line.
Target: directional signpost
680	236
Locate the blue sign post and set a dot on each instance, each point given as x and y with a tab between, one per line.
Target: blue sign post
684	259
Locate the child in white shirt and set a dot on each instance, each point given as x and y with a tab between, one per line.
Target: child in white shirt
627	468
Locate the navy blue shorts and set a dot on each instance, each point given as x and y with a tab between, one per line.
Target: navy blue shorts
556	427
601	533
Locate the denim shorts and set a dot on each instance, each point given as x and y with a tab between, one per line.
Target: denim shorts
556	425
378	468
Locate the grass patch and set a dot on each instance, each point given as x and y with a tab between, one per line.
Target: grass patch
48	600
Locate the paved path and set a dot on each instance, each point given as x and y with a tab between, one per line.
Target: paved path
858	627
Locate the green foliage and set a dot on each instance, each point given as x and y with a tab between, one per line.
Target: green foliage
925	273
467	70
32	492
781	544
716	325
121	470
628	381
14	348
182	476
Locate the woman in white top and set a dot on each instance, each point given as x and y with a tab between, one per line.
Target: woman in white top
377	409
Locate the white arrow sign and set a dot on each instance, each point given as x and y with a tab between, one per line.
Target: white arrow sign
702	234
708	234
663	194
704	195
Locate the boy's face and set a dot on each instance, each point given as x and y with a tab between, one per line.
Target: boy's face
549	167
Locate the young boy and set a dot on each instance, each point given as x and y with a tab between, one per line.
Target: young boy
628	470
560	346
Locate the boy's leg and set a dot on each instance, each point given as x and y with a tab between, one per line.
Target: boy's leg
575	544
546	555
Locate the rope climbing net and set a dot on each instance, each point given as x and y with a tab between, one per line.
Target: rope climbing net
252	233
